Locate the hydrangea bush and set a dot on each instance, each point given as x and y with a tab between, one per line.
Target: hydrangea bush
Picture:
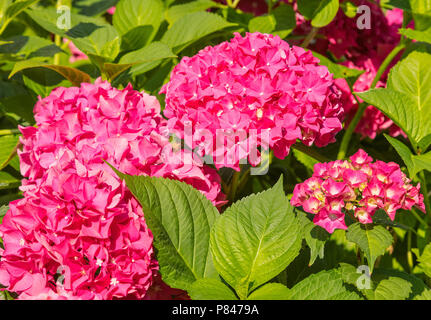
239	149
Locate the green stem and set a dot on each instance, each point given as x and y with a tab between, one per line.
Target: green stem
409	251
418	218
360	112
424	189
234	186
309	37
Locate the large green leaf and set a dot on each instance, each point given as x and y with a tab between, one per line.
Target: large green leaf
392	288
91	35
320	12
255	239
11	10
180	218
178	11
7	150
147	58
270	291
75	76
423	36
414	163
130	14
407	98
193	27
325	285
27	47
372	240
210	289
281	21
425	260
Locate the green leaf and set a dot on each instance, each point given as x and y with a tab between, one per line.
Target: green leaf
325	285
423	36
425	260
8	181
392	288
315	237
91	35
349	9
338	70
7	151
180	218
147	58
210	289
178	11
13	10
255	239
3	210
421	10
27	47
270	291
193	27
280	22
130	14
320	12
425	295
75	76
407	98
16	99
372	240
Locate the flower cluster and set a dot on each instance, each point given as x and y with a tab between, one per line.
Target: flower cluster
79	232
256	82
357	186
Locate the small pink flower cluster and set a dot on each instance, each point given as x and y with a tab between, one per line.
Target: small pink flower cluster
357	186
78	222
256	82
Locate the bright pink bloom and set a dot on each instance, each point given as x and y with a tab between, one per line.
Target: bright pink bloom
78	221
257	82
360	187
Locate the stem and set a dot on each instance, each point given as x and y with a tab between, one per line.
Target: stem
309	37
234	186
409	251
418	218
57	40
360	112
426	197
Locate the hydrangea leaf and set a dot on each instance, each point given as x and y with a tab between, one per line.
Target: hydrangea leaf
27	47
372	240
280	22
91	35
178	11
320	12
315	237
423	36
8	149
130	14
75	76
180	218
392	288
325	285
338	70
255	239
414	163
11	10
270	291
192	27
425	260
210	289
147	58
407	98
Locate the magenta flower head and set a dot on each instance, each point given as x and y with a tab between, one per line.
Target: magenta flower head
79	232
358	187
253	91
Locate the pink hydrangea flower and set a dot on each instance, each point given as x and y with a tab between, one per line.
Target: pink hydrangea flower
78	221
256	82
358	187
